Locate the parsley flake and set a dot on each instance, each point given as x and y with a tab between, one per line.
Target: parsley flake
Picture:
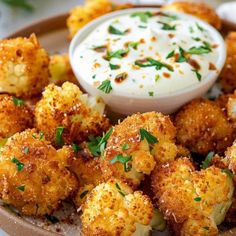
83	194
181	57
228	172
199	27
143	16
19	165
52	219
125	146
21	188
26	150
166	26
116	54
41	135
204	49
123	160
133	45
75	147
113	30
105	86
18	102
119	189
207	161
151	94
59	140
148	136
199	76
197	199
114	67
171	54
101	48
206	227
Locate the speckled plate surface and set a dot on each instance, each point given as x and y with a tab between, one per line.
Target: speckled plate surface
52	34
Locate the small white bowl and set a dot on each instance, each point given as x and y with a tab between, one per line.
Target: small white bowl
124	104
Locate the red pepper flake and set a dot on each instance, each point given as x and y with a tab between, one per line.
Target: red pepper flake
215	46
194	64
166	75
212	66
171	36
153	39
142	41
121	77
96	65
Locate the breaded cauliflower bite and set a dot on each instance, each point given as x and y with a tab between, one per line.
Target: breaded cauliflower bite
200	10
81	15
60	70
15	116
33	175
67	115
136	145
23	66
228	74
113	209
203	127
193	202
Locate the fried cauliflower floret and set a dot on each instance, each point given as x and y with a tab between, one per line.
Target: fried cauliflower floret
60	70
67	107
228	74
129	157
81	15
112	208
193	202
15	116
200	10
33	175
23	66
203	127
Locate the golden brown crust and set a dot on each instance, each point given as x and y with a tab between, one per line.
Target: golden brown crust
13	118
193	202
28	161
200	10
144	156
23	66
67	107
203	127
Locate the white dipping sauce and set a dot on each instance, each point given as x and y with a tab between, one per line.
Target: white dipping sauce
147	53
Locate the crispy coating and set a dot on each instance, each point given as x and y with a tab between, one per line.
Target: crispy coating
144	156
193	202
113	209
60	70
81	15
228	74
13	118
203	127
23	66
67	107
200	10
33	175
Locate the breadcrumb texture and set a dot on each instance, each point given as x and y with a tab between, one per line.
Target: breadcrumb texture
113	209
81	15
23	66
28	161
200	10
60	70
193	202
144	156
203	127
68	107
228	74
13	118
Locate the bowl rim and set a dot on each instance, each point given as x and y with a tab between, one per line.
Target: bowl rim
211	77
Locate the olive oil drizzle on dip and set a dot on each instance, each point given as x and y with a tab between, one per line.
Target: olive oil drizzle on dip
147	53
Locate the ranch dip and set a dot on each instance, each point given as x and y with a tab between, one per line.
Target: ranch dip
147	53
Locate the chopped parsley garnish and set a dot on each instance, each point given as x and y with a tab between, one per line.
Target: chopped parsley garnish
200	27
19	165
52	219
151	94
206	227
149	62
171	54
197	199
228	172
196	39
24	4
171	17
119	189
142	27
97	144
94	76
26	150
207	161
41	135
59	140
143	16
148	136
157	77
181	57
191	30
204	49
114	67
18	102
83	194
198	75
101	48
116	54
125	146
166	26
75	147
21	188
113	30
105	86
123	160
133	45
